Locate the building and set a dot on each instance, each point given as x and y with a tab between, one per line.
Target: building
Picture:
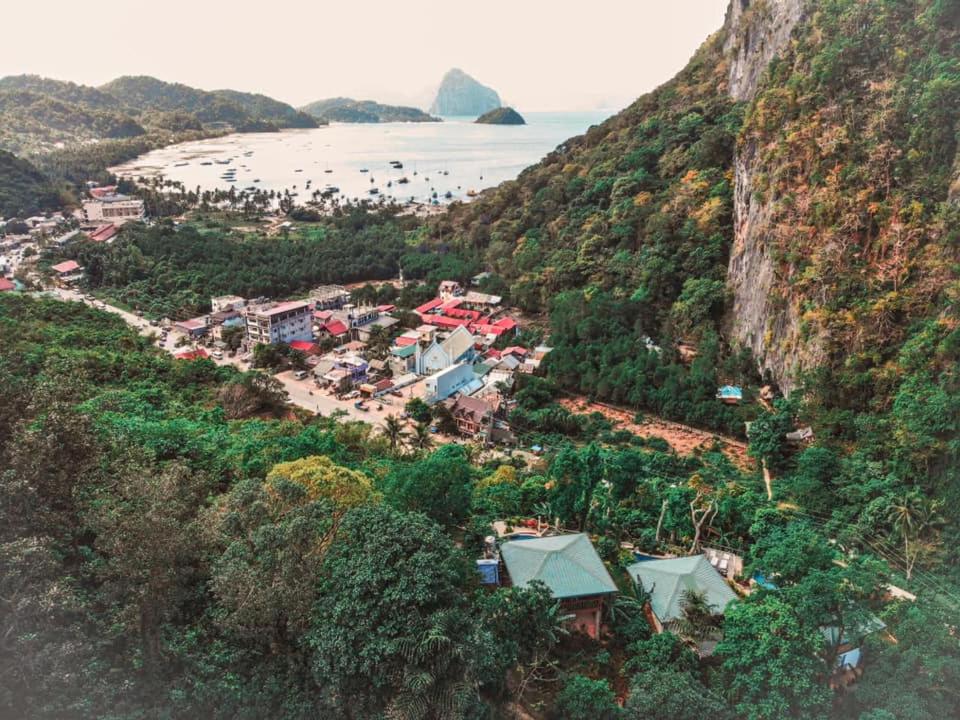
570	567
445	383
473	416
67	271
457	347
227	302
306	347
329	297
450	289
113	208
279	322
667	581
730	394
103	233
403	358
6	285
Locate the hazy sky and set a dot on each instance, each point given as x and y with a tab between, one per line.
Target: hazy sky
538	54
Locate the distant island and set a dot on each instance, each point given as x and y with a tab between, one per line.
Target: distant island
348	110
460	94
501	116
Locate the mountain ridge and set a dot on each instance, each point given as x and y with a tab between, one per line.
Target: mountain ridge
460	94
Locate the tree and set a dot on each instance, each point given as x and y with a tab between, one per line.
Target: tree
390	630
437	485
393	430
585	699
421	439
911	515
699	620
418	410
671	694
772	662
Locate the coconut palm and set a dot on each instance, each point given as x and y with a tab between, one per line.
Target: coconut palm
421	439
393	430
698	621
911	515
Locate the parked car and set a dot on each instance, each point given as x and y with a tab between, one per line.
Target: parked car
298	375
217	354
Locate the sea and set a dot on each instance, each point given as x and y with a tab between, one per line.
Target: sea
441	162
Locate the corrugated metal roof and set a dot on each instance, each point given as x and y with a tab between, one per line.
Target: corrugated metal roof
667	580
567	564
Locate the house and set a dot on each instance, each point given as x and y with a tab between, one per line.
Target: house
198	354
279	322
449	289
334	329
305	346
472	415
730	394
848	647
220	321
365	332
67	271
194	327
445	383
666	582
403	358
570	567
6	285
103	233
474	300
479	278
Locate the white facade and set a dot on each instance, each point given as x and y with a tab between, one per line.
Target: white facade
446	382
117	209
284	322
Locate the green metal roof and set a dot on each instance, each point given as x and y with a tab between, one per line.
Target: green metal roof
667	580
567	564
404	351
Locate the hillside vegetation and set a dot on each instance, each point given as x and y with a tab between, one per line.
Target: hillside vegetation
24	190
347	110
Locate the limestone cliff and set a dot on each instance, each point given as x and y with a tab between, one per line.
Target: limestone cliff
763	316
460	94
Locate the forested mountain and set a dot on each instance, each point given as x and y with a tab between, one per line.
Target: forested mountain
219	106
24	190
40	114
347	110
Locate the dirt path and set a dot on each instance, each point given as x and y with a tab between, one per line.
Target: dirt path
685	440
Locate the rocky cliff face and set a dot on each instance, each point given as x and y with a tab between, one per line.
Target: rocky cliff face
763	317
460	94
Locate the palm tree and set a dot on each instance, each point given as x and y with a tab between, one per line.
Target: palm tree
421	439
910	515
393	429
698	622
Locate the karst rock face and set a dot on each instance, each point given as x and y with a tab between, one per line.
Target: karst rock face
460	94
763	315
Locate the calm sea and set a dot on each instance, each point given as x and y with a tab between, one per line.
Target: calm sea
454	156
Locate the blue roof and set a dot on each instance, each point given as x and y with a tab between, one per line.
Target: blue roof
567	564
730	391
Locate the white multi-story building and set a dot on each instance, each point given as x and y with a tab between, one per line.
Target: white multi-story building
116	209
279	322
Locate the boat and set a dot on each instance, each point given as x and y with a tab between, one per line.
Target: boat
448	195
389	183
472	193
328	170
403	181
364	170
374	191
298	170
206	162
256	180
181	164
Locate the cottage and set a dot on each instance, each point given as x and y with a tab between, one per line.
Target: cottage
194	327
570	567
472	415
730	394
450	289
667	581
68	271
305	346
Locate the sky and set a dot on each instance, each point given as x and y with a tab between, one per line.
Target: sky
538	54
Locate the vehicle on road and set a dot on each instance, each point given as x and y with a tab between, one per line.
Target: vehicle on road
217	354
360	405
298	375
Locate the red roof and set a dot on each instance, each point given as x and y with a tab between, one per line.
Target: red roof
404	341
444	322
381	385
494	353
198	354
6	284
386	308
335	328
103	233
283	307
428	306
304	346
487	329
67	266
458	313
100	192
323	314
515	350
507	323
